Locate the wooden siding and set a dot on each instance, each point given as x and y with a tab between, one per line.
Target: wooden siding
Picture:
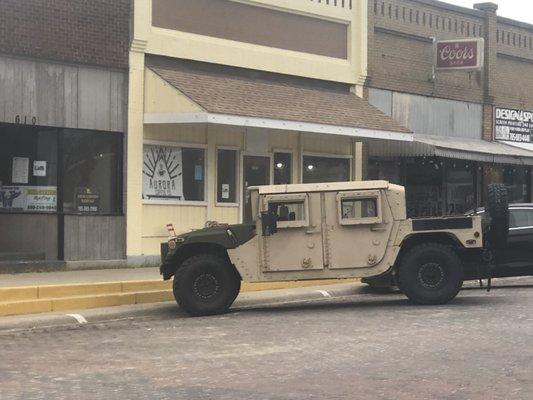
29	233
94	238
60	95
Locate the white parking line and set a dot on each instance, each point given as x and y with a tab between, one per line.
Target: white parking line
78	317
324	293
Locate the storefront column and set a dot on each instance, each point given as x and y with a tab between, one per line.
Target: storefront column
211	173
134	158
357	161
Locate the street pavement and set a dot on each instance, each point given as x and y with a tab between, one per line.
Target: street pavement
358	346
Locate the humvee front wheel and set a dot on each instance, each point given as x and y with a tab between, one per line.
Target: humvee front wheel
206	285
430	274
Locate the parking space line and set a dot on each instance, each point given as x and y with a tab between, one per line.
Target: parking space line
78	317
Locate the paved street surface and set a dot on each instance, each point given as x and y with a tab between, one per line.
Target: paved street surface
356	347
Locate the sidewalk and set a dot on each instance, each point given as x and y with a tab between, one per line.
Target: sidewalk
85	276
45	292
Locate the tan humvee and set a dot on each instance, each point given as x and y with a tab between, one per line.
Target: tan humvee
321	231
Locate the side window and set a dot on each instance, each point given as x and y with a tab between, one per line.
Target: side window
359	208
291	211
520	218
288	211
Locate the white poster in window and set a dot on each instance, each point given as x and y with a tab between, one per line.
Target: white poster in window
162	173
20	169
39	168
41	198
225	191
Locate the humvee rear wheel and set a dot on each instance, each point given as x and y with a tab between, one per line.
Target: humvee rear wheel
430	274
206	285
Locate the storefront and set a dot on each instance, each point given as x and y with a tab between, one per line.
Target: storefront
209	133
443	178
61	166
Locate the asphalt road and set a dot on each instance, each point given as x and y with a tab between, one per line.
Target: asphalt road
355	347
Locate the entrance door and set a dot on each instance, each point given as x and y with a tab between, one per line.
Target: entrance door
256	172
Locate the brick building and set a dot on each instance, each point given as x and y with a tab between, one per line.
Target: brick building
452	113
63	112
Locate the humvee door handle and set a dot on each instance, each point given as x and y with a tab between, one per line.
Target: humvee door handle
310	232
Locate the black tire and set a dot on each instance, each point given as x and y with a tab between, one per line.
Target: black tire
498	210
206	284
430	274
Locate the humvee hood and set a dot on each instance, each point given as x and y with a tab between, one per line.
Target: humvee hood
227	236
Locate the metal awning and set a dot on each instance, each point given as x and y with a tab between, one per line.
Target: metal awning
449	147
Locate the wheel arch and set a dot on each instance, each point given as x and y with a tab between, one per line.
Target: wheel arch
188	250
444	238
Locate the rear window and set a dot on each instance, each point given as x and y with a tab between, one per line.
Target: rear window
521	218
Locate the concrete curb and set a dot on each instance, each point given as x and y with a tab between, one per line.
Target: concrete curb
55	298
169	309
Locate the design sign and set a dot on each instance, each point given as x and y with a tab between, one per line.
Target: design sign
459	54
513	125
162	173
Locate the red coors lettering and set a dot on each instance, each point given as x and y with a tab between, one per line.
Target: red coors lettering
458	54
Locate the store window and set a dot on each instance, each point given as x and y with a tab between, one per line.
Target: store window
39	166
385	170
173	173
226	176
460	186
517	179
424	182
92	172
325	169
28	169
282	168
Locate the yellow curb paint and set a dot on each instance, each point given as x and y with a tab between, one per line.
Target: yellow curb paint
24	300
25	307
79	303
19	293
154	297
146	286
79	289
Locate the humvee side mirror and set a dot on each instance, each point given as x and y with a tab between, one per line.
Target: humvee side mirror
269	223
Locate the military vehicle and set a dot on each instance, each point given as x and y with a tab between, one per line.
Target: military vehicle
331	230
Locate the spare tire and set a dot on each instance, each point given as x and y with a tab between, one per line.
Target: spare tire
498	211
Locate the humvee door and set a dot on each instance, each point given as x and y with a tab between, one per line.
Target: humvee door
297	244
358	228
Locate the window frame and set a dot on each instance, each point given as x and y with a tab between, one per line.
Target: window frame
289	198
238	190
360	195
326	155
198	146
